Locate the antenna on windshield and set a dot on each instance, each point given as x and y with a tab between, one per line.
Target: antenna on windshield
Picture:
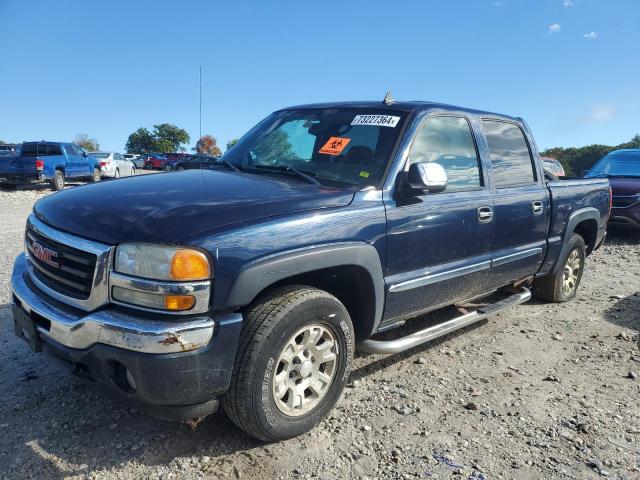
388	98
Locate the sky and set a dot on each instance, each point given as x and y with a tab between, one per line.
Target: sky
570	68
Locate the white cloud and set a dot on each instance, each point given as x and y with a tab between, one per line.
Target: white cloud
568	3
601	113
555	28
591	35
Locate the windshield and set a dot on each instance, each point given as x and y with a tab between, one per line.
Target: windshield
336	146
619	165
99	155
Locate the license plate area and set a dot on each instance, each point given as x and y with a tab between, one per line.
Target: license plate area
26	329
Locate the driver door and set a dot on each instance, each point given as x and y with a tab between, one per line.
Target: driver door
439	244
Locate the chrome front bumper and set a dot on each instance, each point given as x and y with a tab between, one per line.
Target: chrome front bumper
112	327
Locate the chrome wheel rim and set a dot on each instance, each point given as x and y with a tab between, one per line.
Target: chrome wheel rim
305	370
571	272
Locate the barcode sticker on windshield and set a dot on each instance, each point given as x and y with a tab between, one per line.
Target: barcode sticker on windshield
376	120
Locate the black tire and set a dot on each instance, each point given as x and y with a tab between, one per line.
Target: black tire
57	182
96	176
116	174
179	169
148	166
133	171
550	287
167	168
269	325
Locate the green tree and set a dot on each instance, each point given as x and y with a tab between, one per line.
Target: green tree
141	141
169	138
273	147
86	142
231	143
208	145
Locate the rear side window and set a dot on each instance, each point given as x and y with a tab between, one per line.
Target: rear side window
510	156
40	149
449	142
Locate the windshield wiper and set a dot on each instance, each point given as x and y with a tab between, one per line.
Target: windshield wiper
287	169
228	164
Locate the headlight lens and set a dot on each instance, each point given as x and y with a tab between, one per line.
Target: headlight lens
162	262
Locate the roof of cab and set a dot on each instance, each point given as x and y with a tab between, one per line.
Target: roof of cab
408	106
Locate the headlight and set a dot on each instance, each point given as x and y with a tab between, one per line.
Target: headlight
162	262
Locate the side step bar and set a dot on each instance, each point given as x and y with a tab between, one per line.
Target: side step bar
431	333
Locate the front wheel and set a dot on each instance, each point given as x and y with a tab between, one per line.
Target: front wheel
563	285
293	362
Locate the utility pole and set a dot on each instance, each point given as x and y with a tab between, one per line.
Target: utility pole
200	136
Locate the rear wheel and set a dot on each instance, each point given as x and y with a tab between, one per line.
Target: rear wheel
116	173
133	171
57	182
148	166
293	361
563	285
95	176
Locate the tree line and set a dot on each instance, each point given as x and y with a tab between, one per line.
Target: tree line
577	160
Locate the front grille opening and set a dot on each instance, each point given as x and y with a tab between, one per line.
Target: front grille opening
62	268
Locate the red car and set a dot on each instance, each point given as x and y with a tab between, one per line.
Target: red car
155	161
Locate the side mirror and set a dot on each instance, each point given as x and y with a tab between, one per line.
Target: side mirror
85	154
427	176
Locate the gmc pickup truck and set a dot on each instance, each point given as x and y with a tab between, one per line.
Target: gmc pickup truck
252	283
53	162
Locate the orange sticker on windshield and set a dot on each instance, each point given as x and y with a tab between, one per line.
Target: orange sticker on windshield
335	145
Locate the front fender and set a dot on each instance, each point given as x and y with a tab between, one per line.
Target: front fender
262	273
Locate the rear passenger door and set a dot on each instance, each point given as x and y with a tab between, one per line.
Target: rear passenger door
439	244
521	203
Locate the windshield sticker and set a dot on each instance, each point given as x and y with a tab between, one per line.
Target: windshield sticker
364	174
376	120
335	146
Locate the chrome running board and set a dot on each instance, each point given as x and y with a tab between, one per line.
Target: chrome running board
386	347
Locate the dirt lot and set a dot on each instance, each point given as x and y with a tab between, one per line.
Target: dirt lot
541	391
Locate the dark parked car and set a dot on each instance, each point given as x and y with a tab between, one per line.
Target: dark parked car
253	282
622	168
192	162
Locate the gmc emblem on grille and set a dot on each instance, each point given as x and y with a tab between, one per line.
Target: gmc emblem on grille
44	254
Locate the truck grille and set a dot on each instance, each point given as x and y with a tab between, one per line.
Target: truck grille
62	268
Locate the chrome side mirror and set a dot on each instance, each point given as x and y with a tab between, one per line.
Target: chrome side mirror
427	176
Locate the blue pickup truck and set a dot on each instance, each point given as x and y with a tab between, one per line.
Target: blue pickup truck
53	162
251	284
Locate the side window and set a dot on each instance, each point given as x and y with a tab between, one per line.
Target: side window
449	142
510	157
71	149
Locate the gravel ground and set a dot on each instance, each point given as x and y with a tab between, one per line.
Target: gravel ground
541	391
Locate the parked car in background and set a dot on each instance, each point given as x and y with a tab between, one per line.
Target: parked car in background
192	162
114	165
131	157
54	162
155	161
622	168
552	165
251	284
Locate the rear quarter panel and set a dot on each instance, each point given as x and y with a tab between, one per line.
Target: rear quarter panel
568	197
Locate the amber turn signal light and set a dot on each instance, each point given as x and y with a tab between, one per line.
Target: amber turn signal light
189	265
179	302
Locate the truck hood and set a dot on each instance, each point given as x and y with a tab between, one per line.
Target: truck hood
623	186
168	207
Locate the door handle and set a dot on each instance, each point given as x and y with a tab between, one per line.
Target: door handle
485	214
537	207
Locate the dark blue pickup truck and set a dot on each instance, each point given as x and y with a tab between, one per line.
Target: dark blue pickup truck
252	283
53	162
